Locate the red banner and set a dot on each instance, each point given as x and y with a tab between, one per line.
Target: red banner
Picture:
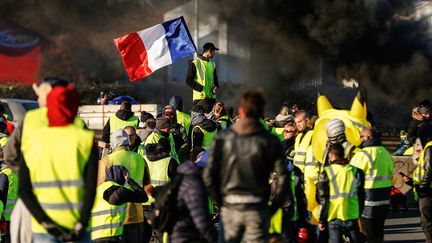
20	55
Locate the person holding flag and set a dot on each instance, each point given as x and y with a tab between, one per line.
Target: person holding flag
202	76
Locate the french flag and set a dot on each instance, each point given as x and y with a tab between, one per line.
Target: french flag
145	51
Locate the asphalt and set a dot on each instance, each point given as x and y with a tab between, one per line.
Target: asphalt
404	226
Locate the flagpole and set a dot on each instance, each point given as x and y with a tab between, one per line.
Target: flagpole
196	26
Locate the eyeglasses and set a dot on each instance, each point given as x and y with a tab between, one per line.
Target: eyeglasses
288	131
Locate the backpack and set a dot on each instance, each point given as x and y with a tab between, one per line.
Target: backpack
164	211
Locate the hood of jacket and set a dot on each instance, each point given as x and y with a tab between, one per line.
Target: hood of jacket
124	114
173	109
188	168
176	102
197	118
247	126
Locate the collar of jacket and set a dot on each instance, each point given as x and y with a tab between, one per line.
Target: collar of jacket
121	148
247	126
371	143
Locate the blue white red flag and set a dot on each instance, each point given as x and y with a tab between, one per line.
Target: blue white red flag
145	51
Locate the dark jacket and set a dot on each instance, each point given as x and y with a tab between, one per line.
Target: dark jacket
323	192
117	195
241	159
194	223
190	78
160	150
123	115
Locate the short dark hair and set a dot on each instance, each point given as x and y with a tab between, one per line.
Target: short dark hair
126	105
337	150
302	112
253	104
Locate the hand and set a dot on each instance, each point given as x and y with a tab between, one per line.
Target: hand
406	178
215	90
321	227
126	175
57	231
148	189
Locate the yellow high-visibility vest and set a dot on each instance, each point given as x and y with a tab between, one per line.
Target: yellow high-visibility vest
56	161
117	123
377	164
208	137
184	120
419	172
301	145
107	220
158	173
12	195
205	77
343	186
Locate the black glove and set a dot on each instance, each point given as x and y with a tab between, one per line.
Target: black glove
78	232
57	231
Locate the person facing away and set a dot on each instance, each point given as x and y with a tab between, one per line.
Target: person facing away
58	173
110	207
241	159
202	76
182	117
122	118
340	192
203	129
377	164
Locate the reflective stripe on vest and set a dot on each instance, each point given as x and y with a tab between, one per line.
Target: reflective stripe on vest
343	185
208	137
301	145
56	168
107	219
419	172
204	76
117	123
12	195
377	164
312	166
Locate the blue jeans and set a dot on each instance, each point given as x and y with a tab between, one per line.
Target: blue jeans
349	228
47	238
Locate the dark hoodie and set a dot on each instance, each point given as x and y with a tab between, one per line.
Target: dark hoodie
121	114
194	223
197	136
176	102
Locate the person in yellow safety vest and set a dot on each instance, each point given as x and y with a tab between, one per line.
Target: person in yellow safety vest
202	76
138	171
161	139
177	132
303	138
34	119
58	189
203	129
341	196
149	124
8	190
422	180
110	207
182	118
377	164
122	118
221	116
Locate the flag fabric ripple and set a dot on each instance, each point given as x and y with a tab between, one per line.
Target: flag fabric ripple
145	51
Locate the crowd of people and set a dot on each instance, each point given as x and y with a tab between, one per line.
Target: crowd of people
220	177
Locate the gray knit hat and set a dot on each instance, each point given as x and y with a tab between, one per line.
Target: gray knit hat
119	138
335	127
